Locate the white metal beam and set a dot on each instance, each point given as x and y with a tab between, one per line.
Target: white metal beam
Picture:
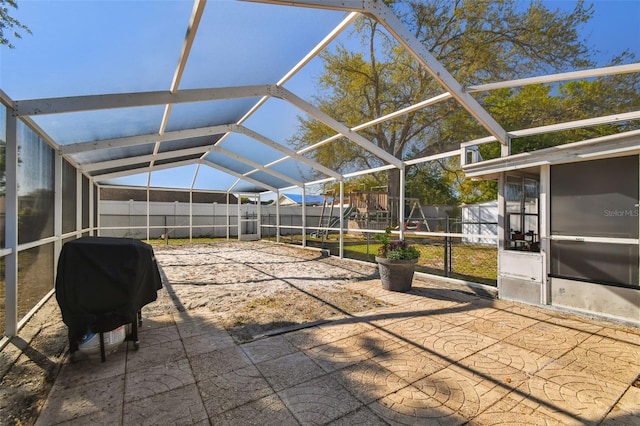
79	203
346	5
5	99
291	153
627	142
41	133
140	170
337	126
589	122
433	157
385	16
569	125
136	99
92	190
366	172
11	226
233	185
195	176
127	161
167	155
415	107
354	174
238	175
420	52
552	78
177	135
419	105
192	29
307	58
57	206
148	138
319	47
321	181
257	166
213	130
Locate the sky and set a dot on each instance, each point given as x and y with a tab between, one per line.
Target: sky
69	55
615	26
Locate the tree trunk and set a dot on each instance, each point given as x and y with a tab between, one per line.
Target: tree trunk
393	189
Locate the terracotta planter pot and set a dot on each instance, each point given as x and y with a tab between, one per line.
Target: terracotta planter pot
396	275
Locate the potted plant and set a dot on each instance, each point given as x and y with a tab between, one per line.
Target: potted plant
396	262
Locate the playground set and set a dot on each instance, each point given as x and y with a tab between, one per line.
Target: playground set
369	210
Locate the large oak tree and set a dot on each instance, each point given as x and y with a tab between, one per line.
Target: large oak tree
478	42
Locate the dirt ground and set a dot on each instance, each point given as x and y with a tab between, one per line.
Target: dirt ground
255	288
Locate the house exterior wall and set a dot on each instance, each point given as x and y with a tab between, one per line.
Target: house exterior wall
617	302
589	290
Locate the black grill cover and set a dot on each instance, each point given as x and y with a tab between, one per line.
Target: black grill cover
102	283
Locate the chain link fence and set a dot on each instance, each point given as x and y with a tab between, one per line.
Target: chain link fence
449	247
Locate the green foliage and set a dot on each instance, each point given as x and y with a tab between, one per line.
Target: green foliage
443	182
432	184
542	105
368	182
537	106
8	23
478	42
478	191
395	249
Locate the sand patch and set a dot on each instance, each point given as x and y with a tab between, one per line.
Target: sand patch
254	287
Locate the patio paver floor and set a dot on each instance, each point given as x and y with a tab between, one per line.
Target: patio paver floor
436	356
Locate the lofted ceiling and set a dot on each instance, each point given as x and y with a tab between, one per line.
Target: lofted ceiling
206	95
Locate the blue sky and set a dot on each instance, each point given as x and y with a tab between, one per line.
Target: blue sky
59	37
614	27
69	55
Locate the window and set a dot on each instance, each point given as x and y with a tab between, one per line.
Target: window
521	197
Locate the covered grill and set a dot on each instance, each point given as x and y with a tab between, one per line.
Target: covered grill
103	283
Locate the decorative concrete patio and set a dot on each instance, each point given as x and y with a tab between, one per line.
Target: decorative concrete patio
437	356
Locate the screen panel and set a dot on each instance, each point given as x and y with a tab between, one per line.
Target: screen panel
595	198
597	262
69	197
35	187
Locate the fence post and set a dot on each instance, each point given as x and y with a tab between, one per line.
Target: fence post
450	256
446	248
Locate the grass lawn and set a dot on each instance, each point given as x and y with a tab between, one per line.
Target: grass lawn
469	262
